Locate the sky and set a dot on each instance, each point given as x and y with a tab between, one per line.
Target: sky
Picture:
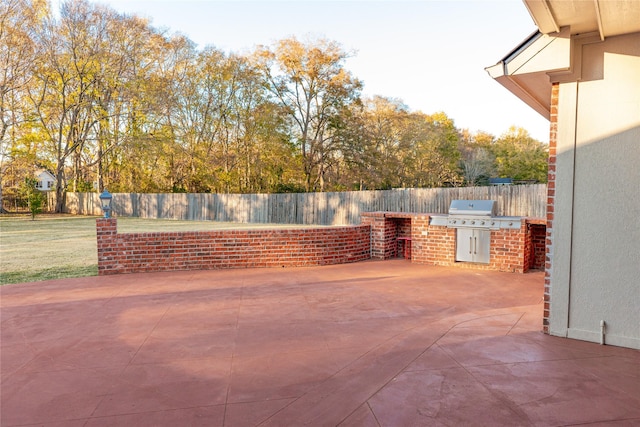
431	54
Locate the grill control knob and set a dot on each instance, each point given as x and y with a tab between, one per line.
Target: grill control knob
473	222
464	221
493	223
482	223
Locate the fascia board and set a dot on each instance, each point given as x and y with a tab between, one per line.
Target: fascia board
496	71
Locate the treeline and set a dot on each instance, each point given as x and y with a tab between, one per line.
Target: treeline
104	99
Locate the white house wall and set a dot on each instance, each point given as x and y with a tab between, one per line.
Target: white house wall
596	251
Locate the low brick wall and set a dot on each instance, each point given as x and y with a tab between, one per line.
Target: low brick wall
511	250
224	249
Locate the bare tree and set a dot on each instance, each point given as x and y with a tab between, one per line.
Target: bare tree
312	85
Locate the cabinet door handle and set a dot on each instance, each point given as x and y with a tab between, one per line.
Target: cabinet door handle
470	243
475	245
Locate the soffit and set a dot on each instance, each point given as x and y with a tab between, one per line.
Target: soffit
607	17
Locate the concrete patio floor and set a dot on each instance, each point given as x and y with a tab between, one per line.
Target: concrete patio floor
380	343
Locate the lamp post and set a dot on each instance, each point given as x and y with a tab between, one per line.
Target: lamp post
105	202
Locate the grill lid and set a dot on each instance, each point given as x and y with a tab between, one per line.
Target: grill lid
473	207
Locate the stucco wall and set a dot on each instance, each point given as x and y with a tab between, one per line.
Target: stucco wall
595	254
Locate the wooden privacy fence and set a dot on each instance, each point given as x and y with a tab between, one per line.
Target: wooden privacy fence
343	208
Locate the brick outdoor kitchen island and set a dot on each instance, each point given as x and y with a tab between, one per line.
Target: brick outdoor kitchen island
512	250
382	235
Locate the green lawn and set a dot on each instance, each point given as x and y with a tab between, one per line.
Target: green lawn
49	247
60	246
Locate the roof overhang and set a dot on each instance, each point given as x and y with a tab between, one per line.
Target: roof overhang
607	17
525	70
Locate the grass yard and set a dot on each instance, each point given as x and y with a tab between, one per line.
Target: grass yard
60	246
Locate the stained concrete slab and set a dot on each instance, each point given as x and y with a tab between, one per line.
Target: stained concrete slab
379	343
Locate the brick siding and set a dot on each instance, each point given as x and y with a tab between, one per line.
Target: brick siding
221	249
551	195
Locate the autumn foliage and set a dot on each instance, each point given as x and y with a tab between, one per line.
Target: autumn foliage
105	99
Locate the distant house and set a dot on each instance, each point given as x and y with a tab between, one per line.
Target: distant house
581	70
46	180
500	181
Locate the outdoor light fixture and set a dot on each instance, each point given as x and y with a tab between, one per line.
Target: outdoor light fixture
105	202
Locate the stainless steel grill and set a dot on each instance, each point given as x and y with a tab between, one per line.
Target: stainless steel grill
475	214
471	213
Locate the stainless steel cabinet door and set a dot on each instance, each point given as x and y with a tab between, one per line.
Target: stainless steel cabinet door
464	244
481	246
473	245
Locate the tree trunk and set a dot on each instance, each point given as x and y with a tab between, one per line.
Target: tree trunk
2	210
321	178
60	193
99	177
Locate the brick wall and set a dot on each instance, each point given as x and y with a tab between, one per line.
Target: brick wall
386	227
420	250
148	252
436	244
403	226
538	243
512	250
376	224
529	254
403	229
507	250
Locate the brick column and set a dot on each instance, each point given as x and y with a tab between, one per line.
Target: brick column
383	234
420	240
106	234
551	195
